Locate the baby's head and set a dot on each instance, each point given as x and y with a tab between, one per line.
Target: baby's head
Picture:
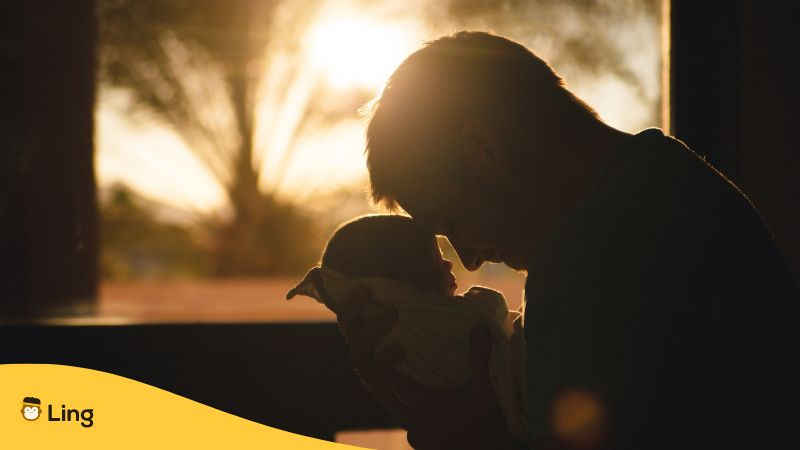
390	246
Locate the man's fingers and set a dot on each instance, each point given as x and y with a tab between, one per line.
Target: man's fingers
349	310
481	345
362	345
381	364
390	356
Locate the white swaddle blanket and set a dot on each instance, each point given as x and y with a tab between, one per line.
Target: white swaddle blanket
434	330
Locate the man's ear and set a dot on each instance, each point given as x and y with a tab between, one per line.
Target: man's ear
482	145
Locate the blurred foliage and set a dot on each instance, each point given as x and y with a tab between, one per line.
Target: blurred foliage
199	66
142	239
587	38
283	239
138	245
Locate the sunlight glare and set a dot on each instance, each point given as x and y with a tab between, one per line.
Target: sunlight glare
359	51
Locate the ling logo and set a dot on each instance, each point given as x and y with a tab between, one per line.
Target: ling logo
32	409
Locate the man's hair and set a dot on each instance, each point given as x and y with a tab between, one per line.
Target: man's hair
416	122
388	246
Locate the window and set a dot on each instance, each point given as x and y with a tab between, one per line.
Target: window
229	144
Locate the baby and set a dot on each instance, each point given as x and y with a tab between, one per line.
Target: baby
400	261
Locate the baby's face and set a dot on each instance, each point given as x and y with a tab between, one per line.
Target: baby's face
438	272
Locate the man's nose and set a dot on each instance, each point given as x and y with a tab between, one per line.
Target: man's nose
448	264
470	258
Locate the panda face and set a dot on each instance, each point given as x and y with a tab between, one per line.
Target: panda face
30	412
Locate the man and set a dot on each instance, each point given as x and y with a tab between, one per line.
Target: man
659	313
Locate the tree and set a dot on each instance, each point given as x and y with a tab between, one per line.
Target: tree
202	66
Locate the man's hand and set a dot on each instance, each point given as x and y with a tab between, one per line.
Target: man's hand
466	419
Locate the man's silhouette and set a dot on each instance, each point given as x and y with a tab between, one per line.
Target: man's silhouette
659	313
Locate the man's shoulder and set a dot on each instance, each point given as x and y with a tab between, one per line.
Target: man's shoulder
661	190
663	218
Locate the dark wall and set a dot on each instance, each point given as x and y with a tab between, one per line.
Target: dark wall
734	96
768	118
48	213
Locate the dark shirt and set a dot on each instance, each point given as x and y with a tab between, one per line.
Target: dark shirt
661	314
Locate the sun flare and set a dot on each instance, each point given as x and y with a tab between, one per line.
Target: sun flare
359	51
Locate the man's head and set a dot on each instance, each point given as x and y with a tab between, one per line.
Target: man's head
390	246
459	127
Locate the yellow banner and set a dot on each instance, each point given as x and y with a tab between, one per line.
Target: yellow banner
60	407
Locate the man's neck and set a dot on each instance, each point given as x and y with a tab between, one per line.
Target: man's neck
566	177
